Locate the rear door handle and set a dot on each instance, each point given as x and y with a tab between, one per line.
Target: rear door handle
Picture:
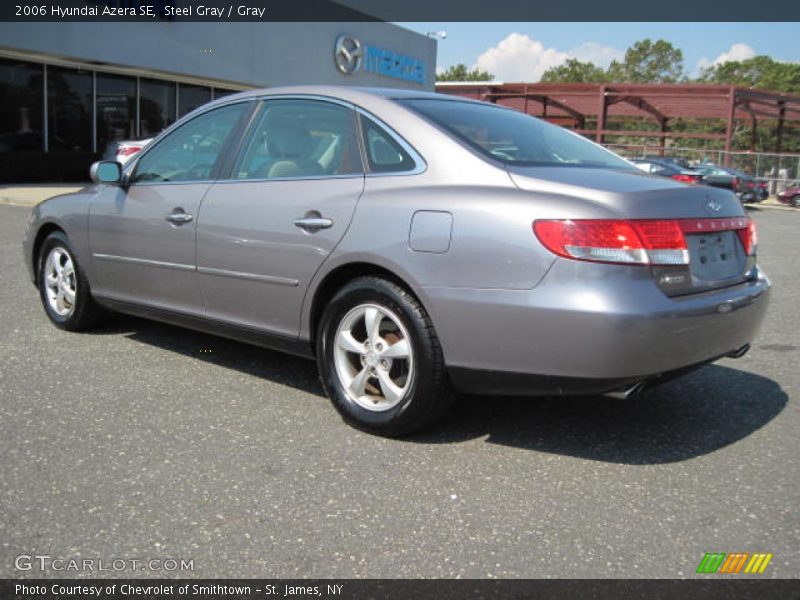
312	224
179	218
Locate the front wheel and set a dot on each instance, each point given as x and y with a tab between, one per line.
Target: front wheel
380	360
63	288
796	201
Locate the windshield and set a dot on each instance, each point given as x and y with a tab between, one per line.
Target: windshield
514	137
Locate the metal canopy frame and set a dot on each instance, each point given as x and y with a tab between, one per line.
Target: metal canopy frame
572	103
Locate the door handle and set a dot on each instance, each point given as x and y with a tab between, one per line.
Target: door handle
313	224
179	218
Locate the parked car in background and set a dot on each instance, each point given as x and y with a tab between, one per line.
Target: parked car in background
679	161
762	189
742	184
790	196
124	150
665	168
383	233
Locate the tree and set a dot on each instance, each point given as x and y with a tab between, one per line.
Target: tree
648	62
759	72
461	72
574	71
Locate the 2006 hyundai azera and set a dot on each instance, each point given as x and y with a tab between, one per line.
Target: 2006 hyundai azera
415	244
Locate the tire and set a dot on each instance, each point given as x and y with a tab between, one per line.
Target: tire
395	385
76	310
796	201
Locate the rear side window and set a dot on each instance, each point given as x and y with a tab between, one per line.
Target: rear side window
513	137
384	154
300	138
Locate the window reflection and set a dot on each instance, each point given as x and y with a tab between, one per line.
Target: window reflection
116	109
21	106
69	109
156	106
191	97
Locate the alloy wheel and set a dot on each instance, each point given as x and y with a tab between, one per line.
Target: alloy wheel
374	357
60	281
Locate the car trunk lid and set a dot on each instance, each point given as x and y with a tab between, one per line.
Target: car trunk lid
712	220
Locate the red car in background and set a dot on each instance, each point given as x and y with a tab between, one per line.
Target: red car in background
790	196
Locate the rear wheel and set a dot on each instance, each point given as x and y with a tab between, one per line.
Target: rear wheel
63	287
380	360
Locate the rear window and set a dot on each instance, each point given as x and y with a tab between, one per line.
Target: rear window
514	137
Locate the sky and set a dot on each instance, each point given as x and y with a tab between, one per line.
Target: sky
523	51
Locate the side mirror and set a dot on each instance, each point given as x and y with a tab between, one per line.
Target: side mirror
106	171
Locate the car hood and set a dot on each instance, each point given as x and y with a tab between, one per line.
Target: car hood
629	192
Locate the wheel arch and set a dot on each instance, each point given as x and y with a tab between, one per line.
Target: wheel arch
45	230
340	276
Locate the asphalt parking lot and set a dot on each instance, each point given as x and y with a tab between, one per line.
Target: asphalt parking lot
142	440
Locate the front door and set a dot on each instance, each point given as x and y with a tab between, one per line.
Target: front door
142	234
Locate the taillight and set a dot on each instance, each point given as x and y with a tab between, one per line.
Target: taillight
735	182
749	237
642	242
632	242
128	150
685	178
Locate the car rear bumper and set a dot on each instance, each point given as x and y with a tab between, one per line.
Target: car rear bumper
588	328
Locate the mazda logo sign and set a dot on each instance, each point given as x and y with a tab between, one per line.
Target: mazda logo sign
347	54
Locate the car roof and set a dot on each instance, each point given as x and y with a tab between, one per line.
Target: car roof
353	94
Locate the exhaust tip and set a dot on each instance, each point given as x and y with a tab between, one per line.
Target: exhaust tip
740	352
625	393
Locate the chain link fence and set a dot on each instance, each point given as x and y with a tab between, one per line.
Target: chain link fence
779	170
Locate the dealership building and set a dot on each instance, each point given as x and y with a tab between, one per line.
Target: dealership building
68	89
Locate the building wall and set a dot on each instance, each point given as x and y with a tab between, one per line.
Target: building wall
247	54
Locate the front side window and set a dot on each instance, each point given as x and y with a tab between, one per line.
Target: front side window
300	138
190	152
513	137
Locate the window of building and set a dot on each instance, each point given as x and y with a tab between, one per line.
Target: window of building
156	106
69	110
116	109
221	93
21	106
191	97
301	138
189	152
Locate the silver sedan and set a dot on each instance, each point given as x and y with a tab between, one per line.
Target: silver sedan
414	244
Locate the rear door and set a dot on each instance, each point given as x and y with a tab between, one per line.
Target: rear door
289	199
142	234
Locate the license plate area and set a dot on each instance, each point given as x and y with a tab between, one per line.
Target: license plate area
714	256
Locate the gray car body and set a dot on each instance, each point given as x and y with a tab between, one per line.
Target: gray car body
510	315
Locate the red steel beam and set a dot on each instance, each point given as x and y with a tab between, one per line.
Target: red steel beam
653	133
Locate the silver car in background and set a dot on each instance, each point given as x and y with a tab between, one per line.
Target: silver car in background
414	244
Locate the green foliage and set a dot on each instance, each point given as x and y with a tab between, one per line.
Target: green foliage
759	72
648	62
645	62
574	71
461	72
